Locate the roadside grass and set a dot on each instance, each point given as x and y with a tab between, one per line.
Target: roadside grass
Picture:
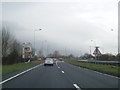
6	69
108	69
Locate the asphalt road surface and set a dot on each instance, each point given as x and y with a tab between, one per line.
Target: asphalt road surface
62	75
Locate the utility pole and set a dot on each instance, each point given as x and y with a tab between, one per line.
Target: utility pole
34	40
118	30
90	50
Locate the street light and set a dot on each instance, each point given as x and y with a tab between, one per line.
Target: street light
34	39
94	42
94	45
118	52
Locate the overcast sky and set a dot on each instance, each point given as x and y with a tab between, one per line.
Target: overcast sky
74	25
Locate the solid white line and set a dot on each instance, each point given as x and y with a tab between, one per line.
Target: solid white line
63	72
107	74
101	73
19	74
76	86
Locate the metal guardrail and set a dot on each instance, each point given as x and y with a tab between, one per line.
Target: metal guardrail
115	63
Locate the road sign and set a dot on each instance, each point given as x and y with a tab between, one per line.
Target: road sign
27	50
97	52
28	53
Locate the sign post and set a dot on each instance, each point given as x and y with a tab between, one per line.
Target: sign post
27	51
97	52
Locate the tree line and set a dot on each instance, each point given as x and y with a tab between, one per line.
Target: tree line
12	51
11	48
55	54
102	57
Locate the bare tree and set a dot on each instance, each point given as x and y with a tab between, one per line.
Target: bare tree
56	54
40	53
71	56
16	46
50	55
7	40
15	55
11	48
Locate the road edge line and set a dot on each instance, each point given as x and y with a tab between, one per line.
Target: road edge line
20	74
101	73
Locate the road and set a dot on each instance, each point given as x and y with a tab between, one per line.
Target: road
62	75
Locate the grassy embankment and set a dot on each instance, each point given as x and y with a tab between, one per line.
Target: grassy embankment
6	69
108	69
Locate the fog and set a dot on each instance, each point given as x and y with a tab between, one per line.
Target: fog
69	27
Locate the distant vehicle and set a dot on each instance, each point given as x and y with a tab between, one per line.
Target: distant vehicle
48	61
39	59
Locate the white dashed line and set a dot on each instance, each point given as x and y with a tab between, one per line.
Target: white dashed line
56	64
63	72
77	87
19	74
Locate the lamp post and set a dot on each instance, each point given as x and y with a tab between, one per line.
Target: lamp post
34	39
94	42
90	49
118	44
94	45
118	52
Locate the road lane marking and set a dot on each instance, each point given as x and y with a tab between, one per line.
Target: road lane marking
77	87
101	73
19	74
57	65
107	74
63	72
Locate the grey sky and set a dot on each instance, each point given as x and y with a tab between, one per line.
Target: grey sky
66	24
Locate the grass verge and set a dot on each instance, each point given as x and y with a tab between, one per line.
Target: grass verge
6	69
108	69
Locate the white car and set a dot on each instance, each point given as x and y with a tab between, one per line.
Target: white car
48	61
